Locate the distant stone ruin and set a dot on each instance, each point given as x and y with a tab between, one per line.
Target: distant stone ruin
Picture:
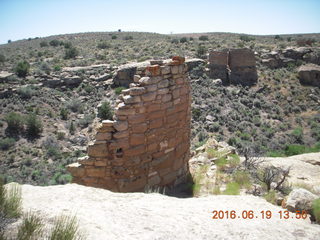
234	66
147	145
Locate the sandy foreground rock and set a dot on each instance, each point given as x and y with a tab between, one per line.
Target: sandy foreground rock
106	215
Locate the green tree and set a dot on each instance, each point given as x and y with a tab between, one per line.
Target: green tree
71	53
34	125
105	112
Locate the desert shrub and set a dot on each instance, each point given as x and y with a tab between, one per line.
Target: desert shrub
128	38
26	92
242	178
316	209
201	51
72	128
305	42
175	41
2	58
61	135
65	227
270	174
183	40
64	113
71	53
297	134
15	122
22	69
45	67
105	111
204	38
75	105
31	227
67	45
86	120
54	43
246	38
103	45
118	90
232	188
196	113
113	37
10	200
33	125
7	143
271	196
277	37
57	68
44	44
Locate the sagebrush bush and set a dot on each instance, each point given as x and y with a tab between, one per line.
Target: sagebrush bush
15	122
204	38
7	143
22	69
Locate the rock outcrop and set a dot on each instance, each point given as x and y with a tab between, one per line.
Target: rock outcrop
147	144
235	66
309	75
106	215
300	200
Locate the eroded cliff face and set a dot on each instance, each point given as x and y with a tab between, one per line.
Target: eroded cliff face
148	143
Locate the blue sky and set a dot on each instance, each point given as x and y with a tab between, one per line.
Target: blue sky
39	18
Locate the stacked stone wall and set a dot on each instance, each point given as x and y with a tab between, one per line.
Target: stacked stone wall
147	145
234	66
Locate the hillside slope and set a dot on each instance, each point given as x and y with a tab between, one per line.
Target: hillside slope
107	215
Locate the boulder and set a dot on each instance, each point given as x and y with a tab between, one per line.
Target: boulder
4	76
296	53
300	199
309	75
72	81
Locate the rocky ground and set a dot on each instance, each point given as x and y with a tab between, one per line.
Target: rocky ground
106	215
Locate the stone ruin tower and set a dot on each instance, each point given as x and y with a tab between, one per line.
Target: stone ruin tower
147	145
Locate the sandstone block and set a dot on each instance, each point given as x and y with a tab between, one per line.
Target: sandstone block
135	151
97	172
166	98
137	91
103	136
139	128
153	70
137	139
107	123
122	134
175	69
98	150
149	96
163	84
165	70
156	123
131	99
138	118
121	125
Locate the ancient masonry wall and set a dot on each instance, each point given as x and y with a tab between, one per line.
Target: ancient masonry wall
147	145
235	66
